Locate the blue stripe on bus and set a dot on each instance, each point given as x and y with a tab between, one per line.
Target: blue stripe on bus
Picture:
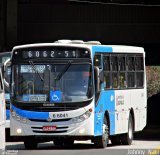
7	114
30	114
106	100
101	49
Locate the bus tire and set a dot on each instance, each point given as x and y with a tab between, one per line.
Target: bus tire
115	140
127	138
30	145
68	142
58	142
102	141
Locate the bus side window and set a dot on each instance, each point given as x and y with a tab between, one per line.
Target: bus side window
139	71
131	72
106	60
107	74
122	72
115	80
114	70
131	63
114	63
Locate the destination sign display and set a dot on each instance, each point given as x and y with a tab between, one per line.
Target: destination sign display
51	53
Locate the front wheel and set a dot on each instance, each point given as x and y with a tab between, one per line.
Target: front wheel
127	138
102	141
58	142
30	145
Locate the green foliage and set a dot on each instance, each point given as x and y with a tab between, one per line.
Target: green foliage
153	80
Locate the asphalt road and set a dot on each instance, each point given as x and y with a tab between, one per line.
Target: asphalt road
147	142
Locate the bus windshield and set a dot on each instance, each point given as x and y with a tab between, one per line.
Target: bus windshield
58	82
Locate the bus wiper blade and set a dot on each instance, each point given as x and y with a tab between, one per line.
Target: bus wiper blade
34	68
59	76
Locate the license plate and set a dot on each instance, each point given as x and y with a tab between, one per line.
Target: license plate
49	128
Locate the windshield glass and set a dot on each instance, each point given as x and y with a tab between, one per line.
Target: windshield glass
74	84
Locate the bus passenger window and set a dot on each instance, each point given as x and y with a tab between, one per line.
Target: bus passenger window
114	80
114	63
131	64
139	71
122	80
122	65
131	79
139	79
106	66
107	80
139	63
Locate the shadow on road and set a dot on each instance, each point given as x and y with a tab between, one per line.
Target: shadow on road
50	146
150	133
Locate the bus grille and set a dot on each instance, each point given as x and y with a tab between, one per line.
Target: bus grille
55	120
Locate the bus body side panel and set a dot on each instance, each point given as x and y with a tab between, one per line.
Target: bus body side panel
106	101
122	108
138	104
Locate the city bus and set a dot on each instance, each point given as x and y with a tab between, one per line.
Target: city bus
2	114
6	72
75	90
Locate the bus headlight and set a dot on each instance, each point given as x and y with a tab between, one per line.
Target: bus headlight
19	130
81	118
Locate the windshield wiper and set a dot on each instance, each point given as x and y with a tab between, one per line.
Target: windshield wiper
36	71
59	76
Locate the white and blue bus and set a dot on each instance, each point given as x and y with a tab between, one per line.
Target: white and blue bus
6	72
75	90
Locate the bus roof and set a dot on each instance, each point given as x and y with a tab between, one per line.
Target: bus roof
115	48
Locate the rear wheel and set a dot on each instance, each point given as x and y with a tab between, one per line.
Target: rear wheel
127	138
102	141
116	140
